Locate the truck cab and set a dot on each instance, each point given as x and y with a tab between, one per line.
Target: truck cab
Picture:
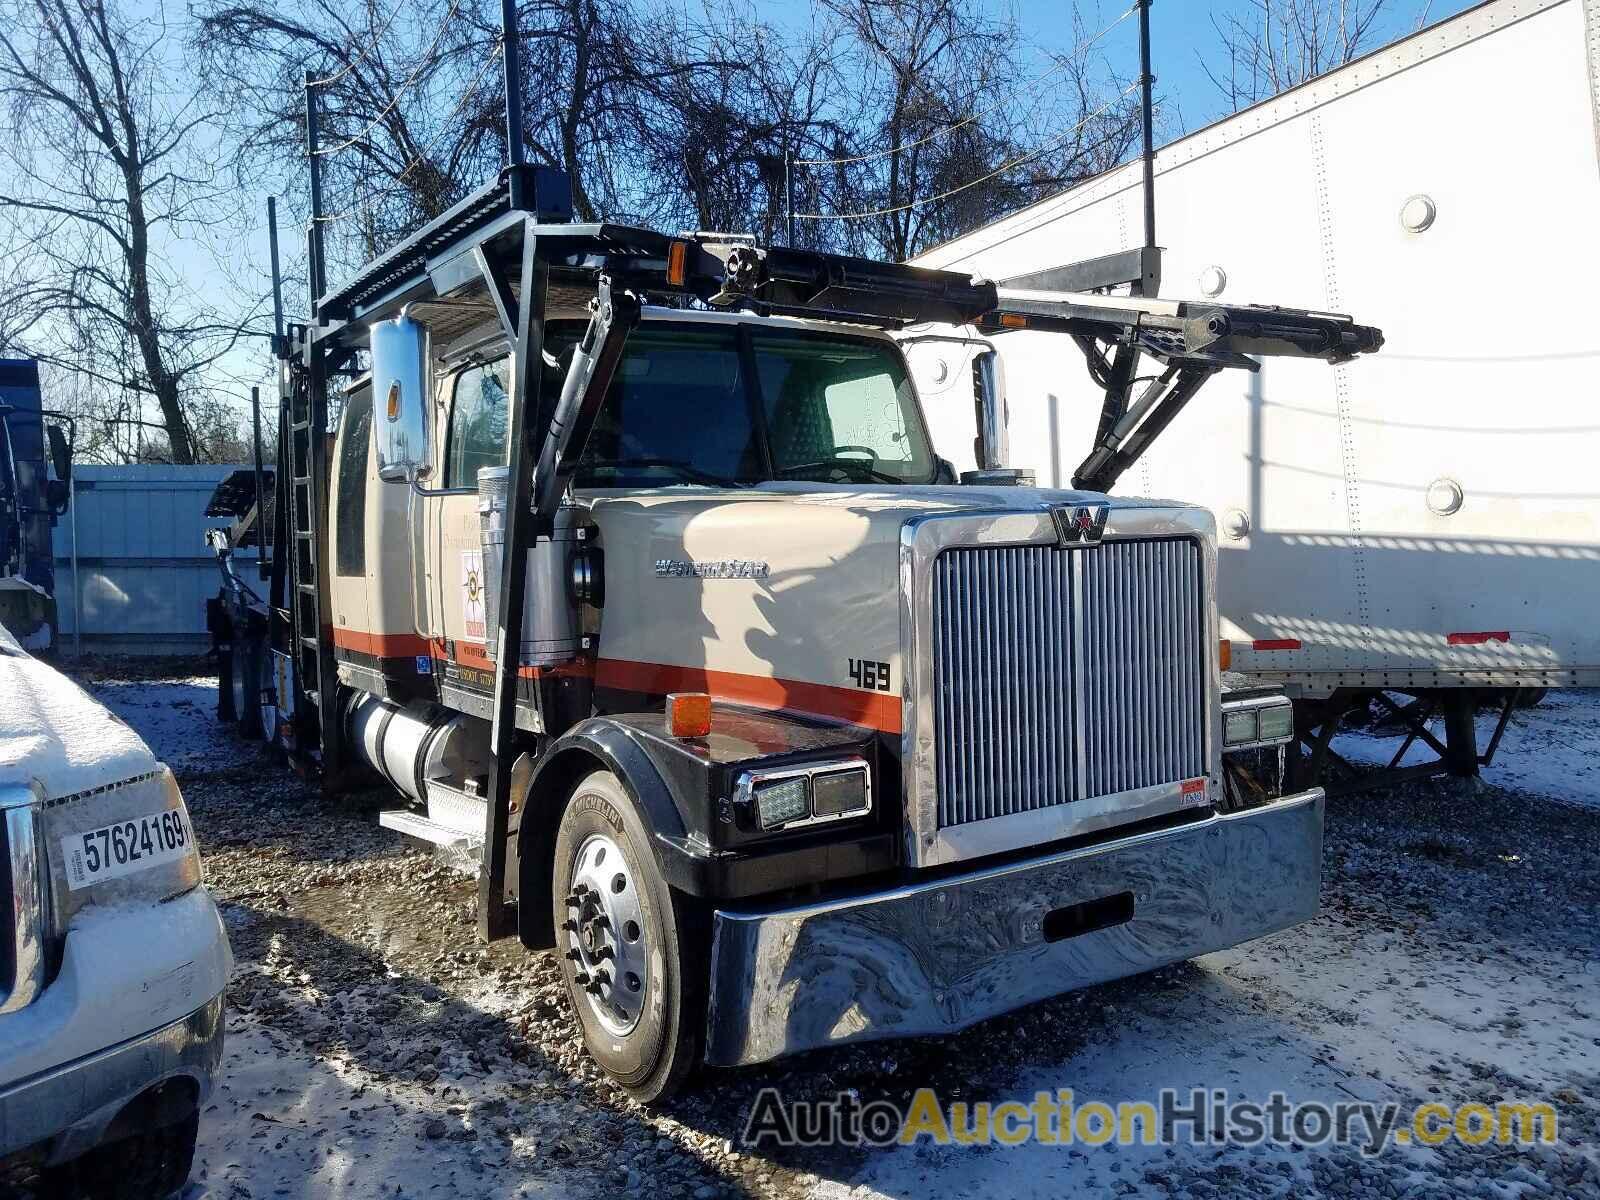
918	688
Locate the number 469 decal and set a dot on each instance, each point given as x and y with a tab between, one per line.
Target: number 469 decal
869	673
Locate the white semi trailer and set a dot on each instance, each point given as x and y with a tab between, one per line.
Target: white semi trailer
1425	521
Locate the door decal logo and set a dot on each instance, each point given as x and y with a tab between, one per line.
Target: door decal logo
472	596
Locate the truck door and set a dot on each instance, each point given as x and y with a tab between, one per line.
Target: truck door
476	420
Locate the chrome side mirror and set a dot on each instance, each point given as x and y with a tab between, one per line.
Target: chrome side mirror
400	399
992	446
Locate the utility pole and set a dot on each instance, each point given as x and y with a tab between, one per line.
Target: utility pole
1146	84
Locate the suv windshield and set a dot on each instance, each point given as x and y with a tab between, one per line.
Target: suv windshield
735	404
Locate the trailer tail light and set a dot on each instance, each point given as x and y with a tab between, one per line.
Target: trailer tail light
677	263
689	714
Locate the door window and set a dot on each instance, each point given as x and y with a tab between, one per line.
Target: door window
350	549
479	418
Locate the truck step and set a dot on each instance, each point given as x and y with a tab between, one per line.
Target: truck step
460	849
451	808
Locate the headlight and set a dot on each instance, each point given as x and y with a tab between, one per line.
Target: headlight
1240	728
1277	722
129	841
25	946
779	803
805	795
1256	721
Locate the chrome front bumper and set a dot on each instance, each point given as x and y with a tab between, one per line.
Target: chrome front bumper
70	1106
940	956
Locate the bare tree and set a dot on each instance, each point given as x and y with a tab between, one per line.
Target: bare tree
1278	44
949	126
110	179
408	96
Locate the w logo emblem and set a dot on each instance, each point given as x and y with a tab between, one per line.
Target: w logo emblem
1081	525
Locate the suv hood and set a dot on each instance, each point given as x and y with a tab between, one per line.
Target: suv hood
55	735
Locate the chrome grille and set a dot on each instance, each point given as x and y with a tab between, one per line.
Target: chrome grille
8	924
1062	674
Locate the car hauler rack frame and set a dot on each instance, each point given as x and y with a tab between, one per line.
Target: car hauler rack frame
505	248
770	701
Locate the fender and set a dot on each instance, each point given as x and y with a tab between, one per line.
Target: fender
676	785
599	742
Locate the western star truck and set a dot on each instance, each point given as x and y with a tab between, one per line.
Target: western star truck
628	564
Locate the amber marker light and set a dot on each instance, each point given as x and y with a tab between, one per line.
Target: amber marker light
688	714
1013	320
677	263
1225	653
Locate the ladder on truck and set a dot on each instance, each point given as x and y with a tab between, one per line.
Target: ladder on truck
316	723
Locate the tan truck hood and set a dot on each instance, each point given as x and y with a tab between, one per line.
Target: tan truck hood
784	596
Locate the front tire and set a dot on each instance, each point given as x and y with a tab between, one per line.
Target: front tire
632	952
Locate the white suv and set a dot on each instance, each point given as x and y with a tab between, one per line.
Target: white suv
112	956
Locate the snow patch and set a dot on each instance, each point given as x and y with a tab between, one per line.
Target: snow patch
55	734
1551	750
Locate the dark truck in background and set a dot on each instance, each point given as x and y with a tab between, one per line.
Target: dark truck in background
32	440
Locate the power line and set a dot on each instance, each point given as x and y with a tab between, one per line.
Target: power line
1000	170
1061	65
358	59
403	88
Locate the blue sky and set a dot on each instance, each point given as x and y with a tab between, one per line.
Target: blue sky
1180	30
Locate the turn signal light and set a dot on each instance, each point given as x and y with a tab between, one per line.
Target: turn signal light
1013	320
688	714
677	263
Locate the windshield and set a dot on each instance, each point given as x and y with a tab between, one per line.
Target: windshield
734	405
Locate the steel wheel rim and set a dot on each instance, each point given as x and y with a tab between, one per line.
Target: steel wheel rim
241	679
606	947
266	695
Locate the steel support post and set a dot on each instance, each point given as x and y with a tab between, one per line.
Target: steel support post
496	916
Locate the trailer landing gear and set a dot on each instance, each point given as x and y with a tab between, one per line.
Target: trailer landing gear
1313	762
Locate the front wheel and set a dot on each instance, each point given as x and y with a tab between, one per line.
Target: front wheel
632	951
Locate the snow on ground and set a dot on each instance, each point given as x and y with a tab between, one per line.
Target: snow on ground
177	717
1551	750
286	1121
375	1049
1329	1012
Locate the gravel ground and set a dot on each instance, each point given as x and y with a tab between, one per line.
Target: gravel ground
377	1049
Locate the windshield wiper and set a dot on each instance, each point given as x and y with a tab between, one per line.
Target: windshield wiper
686	472
847	465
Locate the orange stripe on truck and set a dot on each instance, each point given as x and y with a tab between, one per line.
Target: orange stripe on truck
854	706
